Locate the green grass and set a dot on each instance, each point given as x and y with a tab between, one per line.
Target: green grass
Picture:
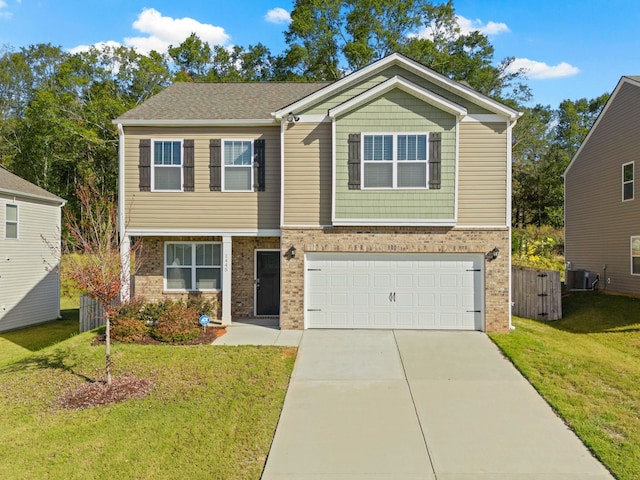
587	366
212	413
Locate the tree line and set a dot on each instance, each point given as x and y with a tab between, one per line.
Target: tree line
57	107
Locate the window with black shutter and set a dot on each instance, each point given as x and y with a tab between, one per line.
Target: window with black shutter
215	165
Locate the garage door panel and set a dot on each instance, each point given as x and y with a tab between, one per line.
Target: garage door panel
363	290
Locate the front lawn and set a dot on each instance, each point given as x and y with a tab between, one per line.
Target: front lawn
587	366
212	413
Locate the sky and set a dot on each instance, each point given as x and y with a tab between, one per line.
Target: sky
571	49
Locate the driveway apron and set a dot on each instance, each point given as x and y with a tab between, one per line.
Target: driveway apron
417	405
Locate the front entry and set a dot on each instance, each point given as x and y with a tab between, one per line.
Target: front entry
267	282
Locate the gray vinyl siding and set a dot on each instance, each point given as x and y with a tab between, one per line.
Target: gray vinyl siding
202	208
29	281
482	176
598	224
323	105
307	174
396	111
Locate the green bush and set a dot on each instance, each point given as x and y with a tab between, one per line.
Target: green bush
178	323
202	306
127	329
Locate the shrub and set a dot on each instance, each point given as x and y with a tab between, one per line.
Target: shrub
151	312
178	323
128	329
202	306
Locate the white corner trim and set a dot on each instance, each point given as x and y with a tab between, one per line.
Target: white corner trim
333	170
191	232
406	86
121	193
282	133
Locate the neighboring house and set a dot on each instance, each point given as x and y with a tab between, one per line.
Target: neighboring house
377	201
29	228
602	200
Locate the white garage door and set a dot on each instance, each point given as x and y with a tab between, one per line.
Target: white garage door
412	291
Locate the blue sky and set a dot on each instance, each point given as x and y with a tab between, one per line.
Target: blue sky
572	49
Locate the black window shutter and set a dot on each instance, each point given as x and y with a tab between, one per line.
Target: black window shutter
354	161
215	164
187	165
435	155
258	156
144	165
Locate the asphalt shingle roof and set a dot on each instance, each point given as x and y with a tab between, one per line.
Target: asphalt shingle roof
221	101
10	183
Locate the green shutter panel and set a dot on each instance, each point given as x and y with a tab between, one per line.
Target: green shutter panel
215	165
435	163
187	165
144	165
354	161
259	164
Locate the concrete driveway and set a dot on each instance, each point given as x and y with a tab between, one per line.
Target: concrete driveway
418	405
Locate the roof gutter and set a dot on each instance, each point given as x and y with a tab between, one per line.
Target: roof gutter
195	123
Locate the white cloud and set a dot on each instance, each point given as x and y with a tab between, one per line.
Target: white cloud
99	46
490	28
164	31
540	70
277	15
466	27
4	14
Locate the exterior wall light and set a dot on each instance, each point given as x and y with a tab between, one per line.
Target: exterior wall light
493	254
292	117
291	253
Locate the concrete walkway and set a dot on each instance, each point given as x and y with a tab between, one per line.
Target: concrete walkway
417	405
259	332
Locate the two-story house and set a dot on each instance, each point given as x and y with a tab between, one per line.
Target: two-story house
381	200
601	208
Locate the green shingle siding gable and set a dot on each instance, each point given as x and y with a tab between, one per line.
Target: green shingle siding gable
323	106
396	111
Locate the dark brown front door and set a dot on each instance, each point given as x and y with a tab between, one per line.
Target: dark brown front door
268	283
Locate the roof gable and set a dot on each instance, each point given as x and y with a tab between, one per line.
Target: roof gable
412	66
626	80
12	184
408	87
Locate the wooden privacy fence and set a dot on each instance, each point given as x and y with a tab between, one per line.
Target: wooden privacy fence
536	293
91	313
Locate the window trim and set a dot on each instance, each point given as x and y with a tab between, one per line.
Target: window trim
153	165
250	167
632	181
394	161
632	256
7	221
193	267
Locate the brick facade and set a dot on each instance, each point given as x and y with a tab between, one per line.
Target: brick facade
243	274
396	240
149	280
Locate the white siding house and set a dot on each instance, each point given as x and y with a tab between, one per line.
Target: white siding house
29	275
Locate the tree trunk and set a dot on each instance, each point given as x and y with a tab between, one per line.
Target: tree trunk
107	356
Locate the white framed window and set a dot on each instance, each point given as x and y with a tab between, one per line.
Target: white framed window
11	221
193	266
627	181
237	159
395	160
635	255
166	171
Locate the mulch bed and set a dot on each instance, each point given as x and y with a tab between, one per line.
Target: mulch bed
94	394
204	339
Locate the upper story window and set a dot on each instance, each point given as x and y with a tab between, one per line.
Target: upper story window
635	255
167	165
238	165
193	266
627	181
11	221
395	160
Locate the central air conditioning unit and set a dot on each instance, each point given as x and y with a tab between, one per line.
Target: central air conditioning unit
581	279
